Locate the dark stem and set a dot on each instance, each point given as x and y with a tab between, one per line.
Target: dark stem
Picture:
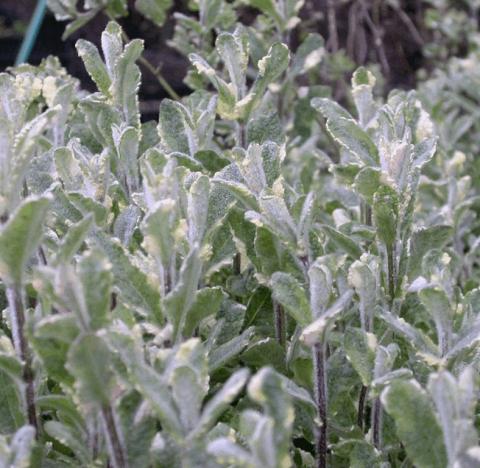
361	406
118	457
332	26
17	317
376	422
237	259
321	400
280	325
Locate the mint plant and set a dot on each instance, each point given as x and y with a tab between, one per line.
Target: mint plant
264	276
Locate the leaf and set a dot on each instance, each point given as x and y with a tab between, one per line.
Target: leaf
198	209
351	137
173	128
290	294
308	55
363	82
219	356
89	361
317	331
131	283
73	240
20	237
21	447
222	399
96	277
94	65
385	213
438	307
342	241
360	348
156	392
68	437
423	240
233	49
320	287
455	403
154	10
416	424
11	406
330	109
207	302
367	182
179	301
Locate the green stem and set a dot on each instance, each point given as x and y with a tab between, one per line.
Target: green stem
17	317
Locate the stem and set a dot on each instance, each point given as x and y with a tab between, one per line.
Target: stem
376	422
280	325
391	272
115	446
237	264
361	406
320	375
155	71
332	26
17	318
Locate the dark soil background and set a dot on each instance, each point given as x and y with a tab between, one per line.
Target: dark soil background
368	30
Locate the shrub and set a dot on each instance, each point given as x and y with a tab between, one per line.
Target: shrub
262	278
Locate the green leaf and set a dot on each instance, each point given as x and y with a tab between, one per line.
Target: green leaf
89	361
179	301
320	287
20	237
438	307
175	133
233	49
94	65
21	447
222	399
96	277
367	182
423	240
69	438
197	211
73	239
363	82
360	348
154	10
131	283
385	213
317	331
287	291
11	406
222	354
342	241
207	302
330	110
351	137
416	424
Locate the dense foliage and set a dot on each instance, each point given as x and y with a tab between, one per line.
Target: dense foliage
261	278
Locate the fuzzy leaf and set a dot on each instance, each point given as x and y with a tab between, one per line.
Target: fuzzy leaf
416	424
287	291
20	237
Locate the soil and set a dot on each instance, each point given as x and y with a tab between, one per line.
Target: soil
400	55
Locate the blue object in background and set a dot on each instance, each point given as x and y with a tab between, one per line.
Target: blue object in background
32	32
